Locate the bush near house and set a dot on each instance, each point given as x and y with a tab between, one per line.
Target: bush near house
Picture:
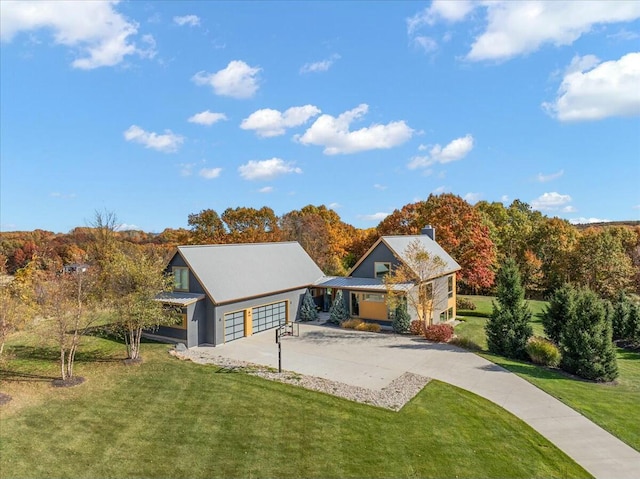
401	319
440	333
465	304
417	327
360	325
542	351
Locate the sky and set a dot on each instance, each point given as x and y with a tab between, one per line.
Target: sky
156	110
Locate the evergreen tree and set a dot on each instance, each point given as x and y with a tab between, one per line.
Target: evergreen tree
308	311
401	318
561	308
632	332
338	312
586	344
620	316
508	328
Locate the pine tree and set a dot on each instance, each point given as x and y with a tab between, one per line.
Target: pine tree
632	332
338	312
308	311
508	328
586	344
620	317
401	318
561	308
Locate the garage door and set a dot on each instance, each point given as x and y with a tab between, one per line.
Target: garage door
269	316
233	326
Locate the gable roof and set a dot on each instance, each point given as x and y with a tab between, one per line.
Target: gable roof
398	246
231	272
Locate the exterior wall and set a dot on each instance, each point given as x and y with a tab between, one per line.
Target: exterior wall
380	254
194	284
294	299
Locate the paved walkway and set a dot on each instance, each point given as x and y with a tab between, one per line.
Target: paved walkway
374	360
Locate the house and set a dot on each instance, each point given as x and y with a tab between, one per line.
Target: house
75	268
365	292
229	291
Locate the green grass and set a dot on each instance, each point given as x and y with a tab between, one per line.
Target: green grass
172	418
616	408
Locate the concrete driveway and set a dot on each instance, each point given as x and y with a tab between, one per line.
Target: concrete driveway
373	360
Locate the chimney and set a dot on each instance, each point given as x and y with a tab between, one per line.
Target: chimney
430	231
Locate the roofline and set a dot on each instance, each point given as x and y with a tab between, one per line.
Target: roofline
213	245
353	268
206	290
270	293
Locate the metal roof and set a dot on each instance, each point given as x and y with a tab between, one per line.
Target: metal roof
399	245
359	284
179	298
231	272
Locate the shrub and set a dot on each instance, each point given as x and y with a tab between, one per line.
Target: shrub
351	323
465	343
440	333
372	327
560	311
465	303
401	319
338	312
308	311
417	327
542	351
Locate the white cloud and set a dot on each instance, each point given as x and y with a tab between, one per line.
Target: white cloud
583	221
427	44
169	142
472	197
636	207
126	227
321	66
335	206
591	91
551	176
190	20
516	28
57	194
504	198
186	169
454	151
440	189
380	187
210	173
267	169
442	9
551	202
207	118
268	122
237	80
333	133
266	189
98	34
374	217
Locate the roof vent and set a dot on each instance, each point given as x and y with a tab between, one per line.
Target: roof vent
430	231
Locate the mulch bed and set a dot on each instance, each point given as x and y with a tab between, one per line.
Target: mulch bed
4	398
67	383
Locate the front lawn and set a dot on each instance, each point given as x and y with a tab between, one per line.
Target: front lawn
616	408
172	418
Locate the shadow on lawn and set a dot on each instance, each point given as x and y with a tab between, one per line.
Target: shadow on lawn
15	376
39	353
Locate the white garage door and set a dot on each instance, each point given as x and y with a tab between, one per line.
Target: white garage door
269	316
233	326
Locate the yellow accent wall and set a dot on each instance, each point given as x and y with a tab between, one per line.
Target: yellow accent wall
248	322
373	310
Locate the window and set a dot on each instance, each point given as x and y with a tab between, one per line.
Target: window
382	269
450	286
374	297
180	278
182	322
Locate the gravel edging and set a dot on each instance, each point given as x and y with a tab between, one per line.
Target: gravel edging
399	392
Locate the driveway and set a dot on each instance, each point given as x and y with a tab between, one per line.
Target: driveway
373	360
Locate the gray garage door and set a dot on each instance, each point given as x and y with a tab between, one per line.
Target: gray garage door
269	316
233	326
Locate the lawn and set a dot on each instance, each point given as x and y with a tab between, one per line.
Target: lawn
616	408
172	418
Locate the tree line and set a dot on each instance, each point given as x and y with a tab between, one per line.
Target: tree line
548	251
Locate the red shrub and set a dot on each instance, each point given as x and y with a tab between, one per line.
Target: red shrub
417	327
440	333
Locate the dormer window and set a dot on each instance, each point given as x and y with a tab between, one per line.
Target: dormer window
180	278
381	269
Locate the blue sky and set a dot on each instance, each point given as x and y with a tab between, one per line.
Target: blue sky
155	110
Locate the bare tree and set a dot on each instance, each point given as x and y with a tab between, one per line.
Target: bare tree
420	278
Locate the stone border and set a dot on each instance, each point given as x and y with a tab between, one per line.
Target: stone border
399	392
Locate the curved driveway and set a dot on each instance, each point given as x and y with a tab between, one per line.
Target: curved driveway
373	360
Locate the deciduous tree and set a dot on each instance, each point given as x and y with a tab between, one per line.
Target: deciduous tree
207	227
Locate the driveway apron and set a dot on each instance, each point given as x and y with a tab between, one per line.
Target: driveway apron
373	360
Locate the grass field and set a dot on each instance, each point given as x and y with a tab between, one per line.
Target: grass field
172	418
616	408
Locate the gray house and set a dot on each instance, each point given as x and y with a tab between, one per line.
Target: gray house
365	293
230	291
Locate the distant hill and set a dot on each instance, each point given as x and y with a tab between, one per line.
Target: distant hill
604	224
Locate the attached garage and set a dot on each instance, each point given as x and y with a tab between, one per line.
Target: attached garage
233	326
269	316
